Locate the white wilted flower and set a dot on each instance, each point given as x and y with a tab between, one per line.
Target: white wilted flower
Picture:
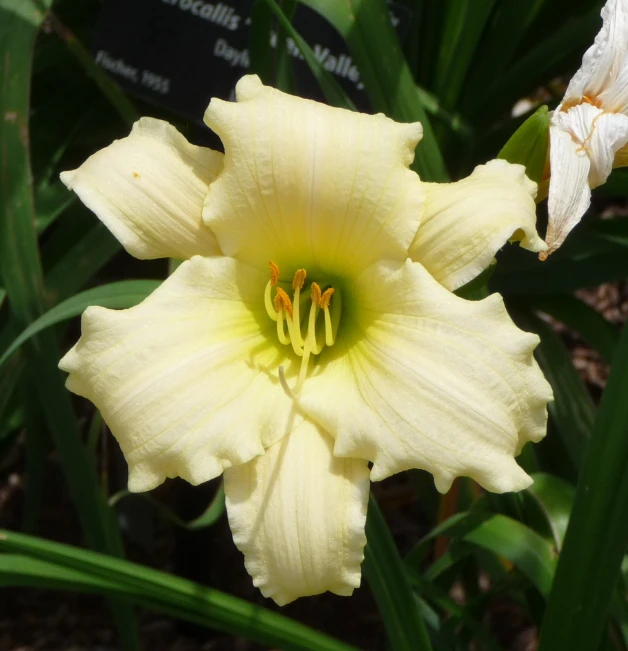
589	129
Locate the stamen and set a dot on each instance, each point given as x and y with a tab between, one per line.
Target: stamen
281	333
286	312
284	383
295	336
299	279
272	313
312	343
326	298
282	301
305	360
316	294
297	285
329	332
274	273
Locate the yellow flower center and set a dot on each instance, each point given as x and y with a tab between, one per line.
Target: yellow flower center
304	334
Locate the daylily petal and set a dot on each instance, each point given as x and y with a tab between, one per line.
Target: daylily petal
609	135
602	61
614	99
184	379
569	192
297	514
425	379
148	189
467	222
307	185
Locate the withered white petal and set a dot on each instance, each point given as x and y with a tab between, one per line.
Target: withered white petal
297	514
614	98
602	62
148	189
467	222
609	135
569	192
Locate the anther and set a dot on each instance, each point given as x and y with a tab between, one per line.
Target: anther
329	330
326	298
297	284
299	279
282	302
316	294
274	273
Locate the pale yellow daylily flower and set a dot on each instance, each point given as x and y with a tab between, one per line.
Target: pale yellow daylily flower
349	348
589	129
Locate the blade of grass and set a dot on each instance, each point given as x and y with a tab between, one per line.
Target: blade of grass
53	565
123	294
333	92
501	535
465	22
572	410
214	511
459	615
536	67
21	273
554	496
384	71
38	446
597	534
589	324
510	22
118	100
386	575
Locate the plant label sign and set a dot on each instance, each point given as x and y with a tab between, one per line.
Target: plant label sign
180	53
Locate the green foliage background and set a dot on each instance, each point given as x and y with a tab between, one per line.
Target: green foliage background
557	549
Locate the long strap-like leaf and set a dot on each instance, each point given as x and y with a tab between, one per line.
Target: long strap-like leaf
597	535
44	563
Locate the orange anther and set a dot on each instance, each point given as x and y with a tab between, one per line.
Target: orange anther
326	297
274	273
283	302
299	279
316	294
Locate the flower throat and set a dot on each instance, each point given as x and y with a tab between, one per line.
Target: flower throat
293	327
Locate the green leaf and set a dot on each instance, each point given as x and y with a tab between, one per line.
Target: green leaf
81	261
387	578
529	144
503	536
459	615
597	535
572	410
384	71
563	46
554	496
332	90
465	21
511	20
524	548
262	23
42	563
123	294
21	275
118	100
577	315
214	511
